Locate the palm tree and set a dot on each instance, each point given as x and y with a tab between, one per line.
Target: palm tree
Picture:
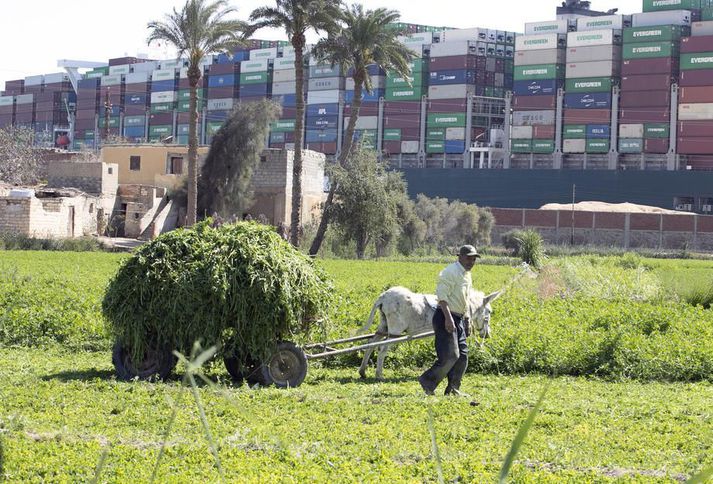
296	17
365	37
199	29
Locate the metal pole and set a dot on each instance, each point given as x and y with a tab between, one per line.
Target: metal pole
671	158
574	191
614	130
380	129
506	129
557	155
370	345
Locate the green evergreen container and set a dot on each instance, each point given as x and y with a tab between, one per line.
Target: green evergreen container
212	127
404	94
649	50
435	147
707	14
401	82
161	130
521	146
659	5
446	120
113	121
588	84
539	72
283	126
255	78
543	146
162	107
392	134
435	134
597	146
574	131
662	33
656	130
697	61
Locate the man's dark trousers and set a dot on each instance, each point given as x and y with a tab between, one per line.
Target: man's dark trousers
451	354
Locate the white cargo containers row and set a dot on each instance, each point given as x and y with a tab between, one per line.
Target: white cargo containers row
696	112
593	69
449	49
454	91
698	29
540	42
225	104
549	27
364	122
615	22
533	118
539	57
594	37
611	53
324	97
668	17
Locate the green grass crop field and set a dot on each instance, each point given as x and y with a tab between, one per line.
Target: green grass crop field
630	364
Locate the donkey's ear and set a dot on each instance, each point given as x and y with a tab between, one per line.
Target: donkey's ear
492	297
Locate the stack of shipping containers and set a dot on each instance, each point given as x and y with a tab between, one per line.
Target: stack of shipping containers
539	73
695	115
85	123
164	96
222	90
283	91
593	67
137	95
325	93
7	101
183	106
368	121
52	106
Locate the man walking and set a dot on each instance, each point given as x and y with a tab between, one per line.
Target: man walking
454	285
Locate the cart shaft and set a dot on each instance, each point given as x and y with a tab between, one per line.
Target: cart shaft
375	344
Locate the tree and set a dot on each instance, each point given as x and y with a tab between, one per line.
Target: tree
365	207
234	153
296	17
199	29
19	161
365	37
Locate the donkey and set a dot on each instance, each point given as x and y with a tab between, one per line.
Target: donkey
403	311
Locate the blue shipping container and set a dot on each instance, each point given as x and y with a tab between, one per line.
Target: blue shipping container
223	80
322	122
136	99
592	100
287	100
321	135
372	69
596	131
134	131
217	115
250	90
537	88
460	76
88	83
331	109
223	59
115	111
455	146
365	97
241	55
277	137
162	86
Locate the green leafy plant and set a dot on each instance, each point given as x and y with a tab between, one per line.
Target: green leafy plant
239	285
531	248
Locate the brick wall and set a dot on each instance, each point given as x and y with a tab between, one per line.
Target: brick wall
49	217
634	230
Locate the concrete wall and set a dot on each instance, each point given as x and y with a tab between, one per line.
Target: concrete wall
89	177
50	217
626	230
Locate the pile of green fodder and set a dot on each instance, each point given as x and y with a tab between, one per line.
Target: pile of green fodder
239	286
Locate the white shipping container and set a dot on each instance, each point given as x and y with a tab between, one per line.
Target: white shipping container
454	91
364	122
538	57
521	132
170	64
34	80
695	112
324	97
594	37
285	75
594	53
551	27
326	84
287	87
144	66
137	77
409	146
457	35
24	99
540	42
56	78
261	65
667	17
220	104
593	69
123	69
418	49
455	134
111	80
631	131
283	64
574	145
419	39
533	118
447	49
377	82
697	29
163	97
6	100
269	53
618	22
164	75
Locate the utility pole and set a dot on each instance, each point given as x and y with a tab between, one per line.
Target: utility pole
107	116
574	192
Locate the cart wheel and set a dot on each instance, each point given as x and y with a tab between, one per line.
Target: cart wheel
287	367
154	363
233	367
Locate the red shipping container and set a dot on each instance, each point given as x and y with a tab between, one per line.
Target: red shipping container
448	106
697	77
402	121
456	62
543	132
696	95
391	146
693	129
653	82
288	113
695	146
535	103
161	119
5	120
86	114
183	118
136	88
411	134
587	116
7	110
366	109
412	108
650	99
658	65
221	69
134	110
84	124
222	92
33	89
656	145
698	162
644	115
693	45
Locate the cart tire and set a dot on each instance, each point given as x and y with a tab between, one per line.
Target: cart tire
233	367
155	363
286	367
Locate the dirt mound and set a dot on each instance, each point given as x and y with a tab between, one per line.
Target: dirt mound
610	207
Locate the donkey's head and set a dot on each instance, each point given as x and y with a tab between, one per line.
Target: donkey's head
481	310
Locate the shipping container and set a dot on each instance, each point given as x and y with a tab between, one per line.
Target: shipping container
550	27
262	65
594	53
543	146
540	42
698	29
654	145
404	94
449	92
598	131
435	147
703	94
597	146
538	57
443	78
533	118
692	45
696	78
616	22
220	104
697	61
408	107
658	5
644	115
534	102
401	121
327	109
445	120
543	132
695	112
447	49
663	65
589	84
657	130
594	100
631	130
695	129
392	134
593	69
695	146
326	84
651	99
574	145
586	116
410	146
320	135
654	19
652	82
648	50
377	82
594	37
324	97
536	88
574	131
538	72
631	145
660	33
521	132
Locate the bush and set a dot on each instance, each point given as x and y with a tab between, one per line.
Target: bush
531	248
700	297
15	241
240	285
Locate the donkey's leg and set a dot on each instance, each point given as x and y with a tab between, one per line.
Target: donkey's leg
367	354
381	356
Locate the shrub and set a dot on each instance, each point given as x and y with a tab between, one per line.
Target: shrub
240	285
700	297
531	248
15	241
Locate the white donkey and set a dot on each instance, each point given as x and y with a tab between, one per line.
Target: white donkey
403	311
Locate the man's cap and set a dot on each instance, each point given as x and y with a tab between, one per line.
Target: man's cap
468	250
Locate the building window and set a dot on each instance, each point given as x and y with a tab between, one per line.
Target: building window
135	163
91	208
174	165
110	170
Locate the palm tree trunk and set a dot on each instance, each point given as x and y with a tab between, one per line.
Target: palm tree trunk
343	156
194	75
295	219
